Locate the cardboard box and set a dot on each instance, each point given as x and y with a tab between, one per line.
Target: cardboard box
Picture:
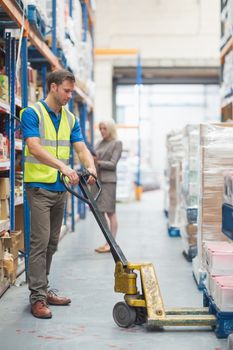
4	188
11	243
8	265
1	250
10	269
191	229
4	213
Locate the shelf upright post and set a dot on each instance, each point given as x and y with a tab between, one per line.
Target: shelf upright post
71	8
54	25
26	210
85	20
8	70
12	132
82	117
8	59
71	108
138	87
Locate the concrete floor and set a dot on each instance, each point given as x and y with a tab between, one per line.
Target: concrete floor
87	277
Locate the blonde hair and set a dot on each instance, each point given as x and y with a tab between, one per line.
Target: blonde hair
111	127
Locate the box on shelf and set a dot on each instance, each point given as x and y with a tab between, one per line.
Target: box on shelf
4	209
4	147
10	266
4	90
4	188
11	242
1	250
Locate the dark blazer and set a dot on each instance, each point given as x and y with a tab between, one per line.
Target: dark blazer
108	160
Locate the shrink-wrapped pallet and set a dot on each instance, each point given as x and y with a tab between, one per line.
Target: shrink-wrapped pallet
174	173
190	190
216	157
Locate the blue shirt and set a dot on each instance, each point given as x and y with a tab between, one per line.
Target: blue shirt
30	128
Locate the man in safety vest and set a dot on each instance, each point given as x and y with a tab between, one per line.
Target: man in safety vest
48	130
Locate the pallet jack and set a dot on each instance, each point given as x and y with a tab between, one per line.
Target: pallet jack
144	304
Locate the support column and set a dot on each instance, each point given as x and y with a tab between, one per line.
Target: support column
12	130
24	80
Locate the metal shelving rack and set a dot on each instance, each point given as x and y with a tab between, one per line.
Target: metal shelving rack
49	58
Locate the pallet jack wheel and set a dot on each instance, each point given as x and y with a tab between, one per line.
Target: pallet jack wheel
124	315
141	316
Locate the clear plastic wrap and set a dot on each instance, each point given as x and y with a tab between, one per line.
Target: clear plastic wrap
190	188
175	153
216	157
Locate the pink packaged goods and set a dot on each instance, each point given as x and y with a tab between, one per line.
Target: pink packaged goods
224	293
218	258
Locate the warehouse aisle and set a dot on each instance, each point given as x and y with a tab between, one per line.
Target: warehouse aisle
87	277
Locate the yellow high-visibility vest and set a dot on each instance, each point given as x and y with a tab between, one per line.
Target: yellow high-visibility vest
56	143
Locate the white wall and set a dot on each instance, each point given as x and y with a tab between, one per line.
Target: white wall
167	33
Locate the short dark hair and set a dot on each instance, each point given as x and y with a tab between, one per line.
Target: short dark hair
58	76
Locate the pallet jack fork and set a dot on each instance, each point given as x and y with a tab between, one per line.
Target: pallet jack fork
142	305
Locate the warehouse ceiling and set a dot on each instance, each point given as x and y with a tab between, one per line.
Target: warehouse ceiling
168	75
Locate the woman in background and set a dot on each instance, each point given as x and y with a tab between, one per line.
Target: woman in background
108	153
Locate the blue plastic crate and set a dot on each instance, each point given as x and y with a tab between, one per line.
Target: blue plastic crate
173	231
227	220
224	320
36	21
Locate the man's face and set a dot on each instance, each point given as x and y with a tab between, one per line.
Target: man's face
62	93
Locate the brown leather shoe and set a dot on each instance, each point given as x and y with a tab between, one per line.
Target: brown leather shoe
54	299
40	309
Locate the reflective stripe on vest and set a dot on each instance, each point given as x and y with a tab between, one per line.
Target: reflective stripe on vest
56	143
